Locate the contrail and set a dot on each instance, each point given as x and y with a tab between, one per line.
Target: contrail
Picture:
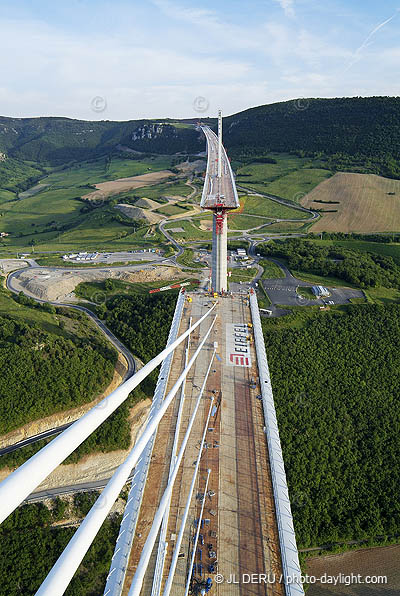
357	53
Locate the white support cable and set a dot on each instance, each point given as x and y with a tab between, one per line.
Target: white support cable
118	566
62	572
162	543
18	485
174	561
189	577
138	578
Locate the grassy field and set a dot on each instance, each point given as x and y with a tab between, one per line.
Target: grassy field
158	191
367	203
319	280
52	218
287	226
186	259
191	231
268	208
97	292
383	295
271	270
100	170
239	274
288	177
237	221
172	210
84	327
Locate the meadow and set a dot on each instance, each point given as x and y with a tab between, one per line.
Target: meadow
290	177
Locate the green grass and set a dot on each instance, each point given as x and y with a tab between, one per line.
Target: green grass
294	184
156	192
268	208
319	280
6	195
172	210
191	231
271	270
95	171
305	292
95	291
383	295
186	259
238	274
287	178
287	227
83	327
245	222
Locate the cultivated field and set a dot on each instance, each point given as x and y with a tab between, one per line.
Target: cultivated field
114	187
364	203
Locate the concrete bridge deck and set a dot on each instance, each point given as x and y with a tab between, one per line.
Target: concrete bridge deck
240	521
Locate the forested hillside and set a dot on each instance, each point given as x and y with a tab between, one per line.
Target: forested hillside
364	269
60	140
336	382
359	133
354	132
29	535
43	373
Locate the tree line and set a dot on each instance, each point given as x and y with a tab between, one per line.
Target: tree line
364	269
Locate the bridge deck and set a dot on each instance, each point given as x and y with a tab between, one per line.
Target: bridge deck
242	511
218	190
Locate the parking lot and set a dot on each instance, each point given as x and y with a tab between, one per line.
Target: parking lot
284	291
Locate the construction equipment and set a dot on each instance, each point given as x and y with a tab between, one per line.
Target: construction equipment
200	588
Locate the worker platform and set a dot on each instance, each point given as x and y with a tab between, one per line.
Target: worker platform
240	520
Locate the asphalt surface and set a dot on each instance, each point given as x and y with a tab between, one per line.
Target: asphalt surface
284	291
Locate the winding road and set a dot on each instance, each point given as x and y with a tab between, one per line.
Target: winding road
120	347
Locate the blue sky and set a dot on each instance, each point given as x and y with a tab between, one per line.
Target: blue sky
153	58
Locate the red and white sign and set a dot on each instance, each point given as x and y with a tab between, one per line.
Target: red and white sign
237	345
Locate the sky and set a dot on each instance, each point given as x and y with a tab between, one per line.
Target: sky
126	60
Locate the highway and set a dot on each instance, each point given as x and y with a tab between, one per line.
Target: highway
224	188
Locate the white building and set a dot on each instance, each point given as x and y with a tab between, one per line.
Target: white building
320	291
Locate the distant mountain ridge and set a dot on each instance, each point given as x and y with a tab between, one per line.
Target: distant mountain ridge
356	126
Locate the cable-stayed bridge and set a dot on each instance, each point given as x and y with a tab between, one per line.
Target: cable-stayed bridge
208	509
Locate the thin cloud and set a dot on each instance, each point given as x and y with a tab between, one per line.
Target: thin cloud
287	6
367	41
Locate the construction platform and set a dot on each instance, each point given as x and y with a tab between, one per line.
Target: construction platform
239	534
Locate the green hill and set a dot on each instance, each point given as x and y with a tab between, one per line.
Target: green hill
358	133
354	134
59	140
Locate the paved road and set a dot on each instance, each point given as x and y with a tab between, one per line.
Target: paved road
168	236
284	291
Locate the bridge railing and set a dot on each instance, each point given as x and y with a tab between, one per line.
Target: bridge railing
287	538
